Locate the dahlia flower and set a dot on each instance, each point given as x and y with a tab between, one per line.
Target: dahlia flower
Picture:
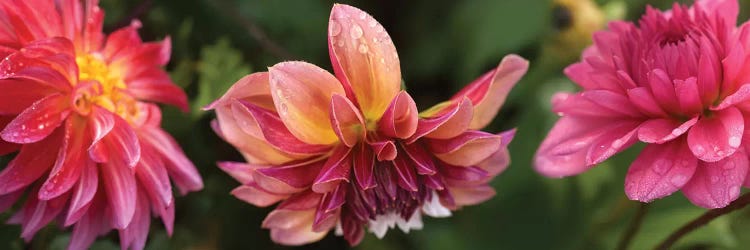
677	81
350	151
76	105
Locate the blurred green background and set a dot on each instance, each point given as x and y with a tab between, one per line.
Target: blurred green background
442	45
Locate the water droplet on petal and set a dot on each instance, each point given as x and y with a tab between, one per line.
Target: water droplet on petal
372	23
678	180
362	15
356	31
734	141
734	192
362	48
661	166
699	150
335	28
677	131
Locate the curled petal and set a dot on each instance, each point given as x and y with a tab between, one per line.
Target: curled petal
444	121
272	128
302	95
400	118
405	174
714	138
120	144
467	196
335	170
420	158
716	184
363	162
385	150
346	120
467	149
488	92
660	170
364	59
642	98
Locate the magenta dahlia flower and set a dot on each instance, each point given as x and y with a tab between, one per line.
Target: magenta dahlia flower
677	81
350	151
75	104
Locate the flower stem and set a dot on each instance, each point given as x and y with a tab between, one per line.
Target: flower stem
707	217
635	224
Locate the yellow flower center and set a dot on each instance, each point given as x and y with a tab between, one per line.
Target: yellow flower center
104	87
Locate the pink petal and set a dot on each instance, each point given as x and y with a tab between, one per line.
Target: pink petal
38	121
610	143
663	130
564	152
716	184
488	92
38	213
182	171
363	163
335	170
443	121
153	177
83	193
363	58
471	195
714	138
496	163
400	118
101	123
245	134
602	103
134	236
467	149
250	87
385	150
241	172
156	86
739	96
421	159
31	163
689	96
273	129
121	189
292	228
660	170
663	90
256	196
346	120
71	160
642	98
302	95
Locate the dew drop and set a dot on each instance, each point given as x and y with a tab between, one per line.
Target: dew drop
356	31
382	60
699	150
728	165
734	141
362	48
335	28
617	143
284	110
678	180
372	23
362	15
23	127
734	192
661	166
41	126
340	43
677	131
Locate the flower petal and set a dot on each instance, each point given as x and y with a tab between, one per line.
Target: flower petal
363	163
364	58
400	118
38	121
121	189
83	193
302	95
714	138
256	196
421	159
17	95
244	133
180	168
71	160
292	228
295	175
488	92
252	88
406	176
31	163
242	172
688	95
272	129
335	170
156	86
120	144
346	121
663	130
716	184
153	177
660	170
443	121
467	149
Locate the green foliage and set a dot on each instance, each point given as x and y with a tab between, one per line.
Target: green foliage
219	68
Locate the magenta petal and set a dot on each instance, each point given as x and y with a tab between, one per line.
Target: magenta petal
296	175
406	176
335	170
714	138
663	130
660	170
17	95
363	162
596	103
89	227
274	130
38	121
467	149
610	143
70	160
400	118
156	86
38	213
120	186
101	123
739	96
421	159
716	184
446	123
180	168
134	236
153	177
663	89
83	193
688	95
384	150
31	163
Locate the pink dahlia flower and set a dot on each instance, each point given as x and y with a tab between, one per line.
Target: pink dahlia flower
350	151
76	105
677	81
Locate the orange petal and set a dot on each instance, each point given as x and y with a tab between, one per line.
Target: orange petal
488	92
255	149
467	149
302	95
346	120
364	58
253	88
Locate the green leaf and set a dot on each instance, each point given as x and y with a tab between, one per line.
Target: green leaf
219	68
